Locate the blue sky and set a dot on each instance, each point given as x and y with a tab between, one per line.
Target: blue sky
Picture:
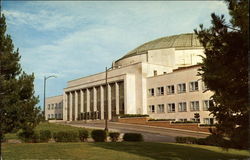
79	38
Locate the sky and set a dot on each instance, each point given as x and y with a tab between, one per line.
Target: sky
73	39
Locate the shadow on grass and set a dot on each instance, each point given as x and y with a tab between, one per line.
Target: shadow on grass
166	151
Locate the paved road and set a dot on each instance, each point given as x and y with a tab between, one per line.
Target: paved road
151	134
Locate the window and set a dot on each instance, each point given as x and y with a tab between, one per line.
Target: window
195	120
171	107
183	119
48	115
160	108
208	120
194	106
151	92
52	106
55	116
52	115
207	104
160	91
56	106
182	107
193	86
59	115
170	89
155	73
48	106
151	108
204	87
181	88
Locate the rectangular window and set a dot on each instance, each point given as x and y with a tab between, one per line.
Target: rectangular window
208	120
181	88
182	107
52	115
52	106
203	85
151	108
160	108
170	89
195	120
207	104
55	116
48	116
48	106
183	119
151	92
171	107
160	91
193	86
194	106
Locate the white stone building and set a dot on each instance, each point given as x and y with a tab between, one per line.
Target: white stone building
158	78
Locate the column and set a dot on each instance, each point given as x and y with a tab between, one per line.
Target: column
109	102
117	98
88	100
65	106
102	102
76	105
94	103
70	105
82	100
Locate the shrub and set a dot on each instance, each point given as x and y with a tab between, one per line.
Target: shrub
99	135
160	120
66	136
83	135
114	136
29	136
133	115
133	137
45	135
188	140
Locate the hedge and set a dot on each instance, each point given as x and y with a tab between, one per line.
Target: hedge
133	137
45	135
99	135
83	135
66	136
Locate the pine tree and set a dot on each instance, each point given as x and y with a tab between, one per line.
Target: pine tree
17	100
224	71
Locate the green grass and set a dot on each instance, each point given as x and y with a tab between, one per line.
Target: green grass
119	151
46	126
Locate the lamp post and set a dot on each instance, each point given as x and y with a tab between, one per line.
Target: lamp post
44	91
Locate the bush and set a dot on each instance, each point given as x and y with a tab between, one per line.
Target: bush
83	135
66	136
133	115
114	136
45	135
99	135
133	137
29	136
188	140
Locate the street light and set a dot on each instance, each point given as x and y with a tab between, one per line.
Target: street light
44	90
106	105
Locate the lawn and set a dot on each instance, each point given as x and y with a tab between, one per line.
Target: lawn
46	126
119	151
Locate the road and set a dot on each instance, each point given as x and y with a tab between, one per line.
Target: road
150	133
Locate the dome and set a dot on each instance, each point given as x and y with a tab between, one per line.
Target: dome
181	41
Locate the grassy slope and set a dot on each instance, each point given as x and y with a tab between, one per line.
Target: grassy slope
119	151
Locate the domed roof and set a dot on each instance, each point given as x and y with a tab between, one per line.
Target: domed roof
181	41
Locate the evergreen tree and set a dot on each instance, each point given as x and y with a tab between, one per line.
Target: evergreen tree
224	71
17	100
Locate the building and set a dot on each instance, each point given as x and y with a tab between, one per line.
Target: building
54	107
158	78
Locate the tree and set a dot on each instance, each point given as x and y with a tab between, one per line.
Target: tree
224	71
17	100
